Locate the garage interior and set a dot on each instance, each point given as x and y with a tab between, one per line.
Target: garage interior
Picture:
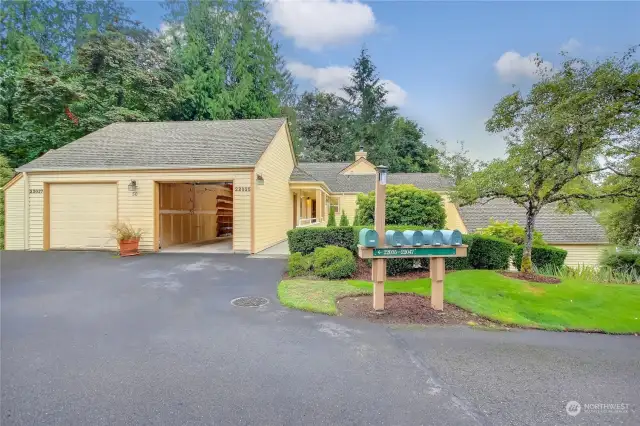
196	217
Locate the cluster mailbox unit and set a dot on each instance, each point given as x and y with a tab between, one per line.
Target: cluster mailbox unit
434	244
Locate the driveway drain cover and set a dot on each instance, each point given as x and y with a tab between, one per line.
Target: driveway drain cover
249	302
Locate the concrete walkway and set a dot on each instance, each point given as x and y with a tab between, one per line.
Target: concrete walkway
278	251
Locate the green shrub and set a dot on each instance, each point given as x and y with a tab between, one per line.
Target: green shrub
460	263
405	205
331	222
490	253
510	232
300	265
344	220
541	257
624	261
305	240
334	262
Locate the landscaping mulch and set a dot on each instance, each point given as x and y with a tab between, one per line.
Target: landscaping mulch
405	308
534	278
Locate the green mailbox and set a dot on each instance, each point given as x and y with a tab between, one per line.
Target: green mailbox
452	238
394	238
413	238
432	238
368	237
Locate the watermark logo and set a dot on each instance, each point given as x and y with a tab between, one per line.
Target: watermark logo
573	408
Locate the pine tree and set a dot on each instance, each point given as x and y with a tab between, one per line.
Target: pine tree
344	220
331	222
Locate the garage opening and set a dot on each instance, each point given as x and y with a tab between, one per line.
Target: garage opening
196	217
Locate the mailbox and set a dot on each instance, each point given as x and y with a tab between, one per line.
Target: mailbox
368	238
413	238
452	238
394	238
432	238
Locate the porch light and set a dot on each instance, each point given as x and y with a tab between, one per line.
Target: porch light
382	174
133	186
260	179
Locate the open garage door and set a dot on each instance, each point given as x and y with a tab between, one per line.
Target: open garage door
81	215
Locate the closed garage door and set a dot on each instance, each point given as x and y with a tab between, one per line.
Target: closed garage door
81	215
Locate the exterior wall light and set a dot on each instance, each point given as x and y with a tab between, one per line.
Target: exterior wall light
259	179
382	174
133	187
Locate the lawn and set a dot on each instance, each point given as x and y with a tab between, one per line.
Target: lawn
571	305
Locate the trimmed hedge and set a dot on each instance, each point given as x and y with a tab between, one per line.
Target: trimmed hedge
490	253
333	262
460	263
300	265
624	261
306	240
541	257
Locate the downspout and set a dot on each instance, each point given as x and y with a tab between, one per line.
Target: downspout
27	226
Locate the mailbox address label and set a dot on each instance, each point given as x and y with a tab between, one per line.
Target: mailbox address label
424	251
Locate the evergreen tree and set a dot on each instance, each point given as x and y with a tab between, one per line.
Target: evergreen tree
331	222
344	220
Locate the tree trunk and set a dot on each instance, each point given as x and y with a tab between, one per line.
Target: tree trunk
527	265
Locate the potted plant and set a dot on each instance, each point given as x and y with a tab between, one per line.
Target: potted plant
128	238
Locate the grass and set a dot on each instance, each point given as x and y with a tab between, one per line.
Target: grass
572	305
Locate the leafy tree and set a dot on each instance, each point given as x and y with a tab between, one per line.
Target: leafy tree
344	220
510	232
411	153
457	165
323	121
405	205
557	135
331	222
6	173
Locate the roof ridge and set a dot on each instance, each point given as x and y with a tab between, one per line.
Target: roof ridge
196	121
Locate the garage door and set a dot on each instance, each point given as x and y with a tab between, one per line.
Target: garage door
81	215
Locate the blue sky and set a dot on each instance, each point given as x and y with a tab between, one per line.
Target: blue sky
445	63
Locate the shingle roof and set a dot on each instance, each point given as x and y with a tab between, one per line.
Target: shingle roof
329	173
556	227
178	144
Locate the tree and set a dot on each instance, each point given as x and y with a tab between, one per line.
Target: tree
324	121
344	220
331	222
405	205
411	153
557	135
6	173
510	231
457	165
373	118
230	67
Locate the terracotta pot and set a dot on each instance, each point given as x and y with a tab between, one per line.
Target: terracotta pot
129	248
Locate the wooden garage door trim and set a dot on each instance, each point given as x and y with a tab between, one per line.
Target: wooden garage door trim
46	211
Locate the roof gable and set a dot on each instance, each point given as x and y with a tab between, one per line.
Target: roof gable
359	167
165	145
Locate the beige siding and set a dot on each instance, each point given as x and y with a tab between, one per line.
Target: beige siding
360	167
348	203
454	221
81	215
274	199
14	219
138	209
583	254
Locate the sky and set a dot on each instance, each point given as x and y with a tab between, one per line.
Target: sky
445	64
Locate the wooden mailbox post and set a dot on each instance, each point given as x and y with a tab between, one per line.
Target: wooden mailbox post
446	244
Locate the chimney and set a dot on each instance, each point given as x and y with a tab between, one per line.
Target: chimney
361	154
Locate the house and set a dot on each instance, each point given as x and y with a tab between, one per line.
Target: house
234	184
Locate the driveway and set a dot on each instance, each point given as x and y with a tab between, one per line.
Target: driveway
89	339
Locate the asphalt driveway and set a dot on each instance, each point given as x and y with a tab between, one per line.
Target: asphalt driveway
89	339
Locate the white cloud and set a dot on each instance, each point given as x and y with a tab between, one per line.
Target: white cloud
313	24
333	78
512	66
570	45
